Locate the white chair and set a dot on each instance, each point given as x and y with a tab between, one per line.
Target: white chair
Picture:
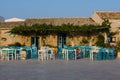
45	53
4	54
1	56
41	54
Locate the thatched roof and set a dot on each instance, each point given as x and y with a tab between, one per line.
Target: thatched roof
53	21
10	24
109	15
60	21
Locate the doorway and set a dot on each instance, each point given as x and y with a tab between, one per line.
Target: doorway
35	41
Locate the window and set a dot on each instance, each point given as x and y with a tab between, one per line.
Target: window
113	39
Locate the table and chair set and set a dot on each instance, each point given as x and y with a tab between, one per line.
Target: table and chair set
66	53
9	54
24	52
91	52
99	53
17	53
46	53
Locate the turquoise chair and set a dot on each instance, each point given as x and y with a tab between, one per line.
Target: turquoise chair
100	54
95	56
34	54
110	54
71	54
87	51
60	55
104	54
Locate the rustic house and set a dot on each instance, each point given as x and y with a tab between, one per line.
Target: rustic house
58	39
7	38
114	19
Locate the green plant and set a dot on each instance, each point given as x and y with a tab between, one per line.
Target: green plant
47	29
100	41
117	46
84	41
15	44
107	24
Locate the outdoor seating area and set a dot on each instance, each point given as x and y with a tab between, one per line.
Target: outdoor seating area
17	53
66	53
46	53
91	52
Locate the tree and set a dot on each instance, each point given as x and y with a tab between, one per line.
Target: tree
100	41
107	24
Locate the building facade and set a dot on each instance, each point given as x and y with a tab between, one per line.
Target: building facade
54	41
114	19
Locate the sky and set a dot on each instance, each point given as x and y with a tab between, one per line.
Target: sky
55	8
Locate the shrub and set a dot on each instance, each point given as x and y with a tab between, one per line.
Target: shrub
84	42
15	44
118	46
100	41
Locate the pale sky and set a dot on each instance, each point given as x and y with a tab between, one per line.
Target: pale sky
55	8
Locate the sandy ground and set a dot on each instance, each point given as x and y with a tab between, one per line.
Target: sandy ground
82	69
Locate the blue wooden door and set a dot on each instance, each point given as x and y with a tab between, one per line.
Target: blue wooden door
61	43
61	40
35	46
35	41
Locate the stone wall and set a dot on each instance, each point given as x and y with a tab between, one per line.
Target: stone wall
77	40
50	40
9	39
